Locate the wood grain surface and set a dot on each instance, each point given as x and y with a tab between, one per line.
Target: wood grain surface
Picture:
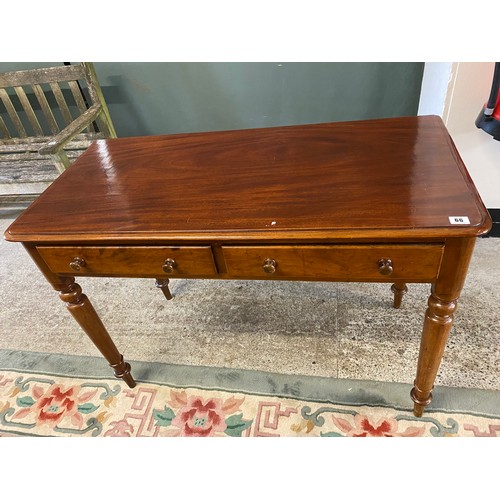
394	178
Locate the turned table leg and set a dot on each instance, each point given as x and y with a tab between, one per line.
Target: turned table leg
84	313
438	321
437	325
162	284
398	289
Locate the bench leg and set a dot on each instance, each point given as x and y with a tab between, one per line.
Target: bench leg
61	160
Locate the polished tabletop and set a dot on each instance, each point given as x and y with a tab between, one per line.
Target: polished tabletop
396	177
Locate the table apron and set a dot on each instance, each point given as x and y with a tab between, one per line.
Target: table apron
360	262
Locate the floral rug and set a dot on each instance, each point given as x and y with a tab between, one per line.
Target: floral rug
56	395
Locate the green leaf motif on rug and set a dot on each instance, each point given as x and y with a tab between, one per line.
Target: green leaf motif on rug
25	402
163	418
236	425
87	408
330	434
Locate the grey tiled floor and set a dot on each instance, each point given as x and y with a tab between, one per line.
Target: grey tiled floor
346	330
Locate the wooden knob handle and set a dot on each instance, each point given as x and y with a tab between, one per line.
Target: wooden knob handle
385	267
270	266
169	265
77	263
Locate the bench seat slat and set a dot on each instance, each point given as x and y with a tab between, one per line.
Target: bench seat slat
30	155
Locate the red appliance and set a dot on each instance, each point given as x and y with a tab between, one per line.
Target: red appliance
489	117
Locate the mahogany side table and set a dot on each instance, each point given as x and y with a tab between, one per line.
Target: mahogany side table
384	200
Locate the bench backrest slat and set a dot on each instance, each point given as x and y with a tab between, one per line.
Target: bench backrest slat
11	111
3	129
28	109
61	102
44	105
77	96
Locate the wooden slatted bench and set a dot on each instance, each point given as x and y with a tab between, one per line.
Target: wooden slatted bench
48	117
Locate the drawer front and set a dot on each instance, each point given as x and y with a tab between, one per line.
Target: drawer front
130	261
335	262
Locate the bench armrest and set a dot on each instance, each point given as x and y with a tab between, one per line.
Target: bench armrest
74	128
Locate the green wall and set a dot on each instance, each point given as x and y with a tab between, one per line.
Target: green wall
162	98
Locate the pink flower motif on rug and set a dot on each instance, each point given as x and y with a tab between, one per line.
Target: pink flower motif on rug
199	418
362	427
193	416
56	403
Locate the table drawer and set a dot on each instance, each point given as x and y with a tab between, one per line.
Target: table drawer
130	260
335	262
